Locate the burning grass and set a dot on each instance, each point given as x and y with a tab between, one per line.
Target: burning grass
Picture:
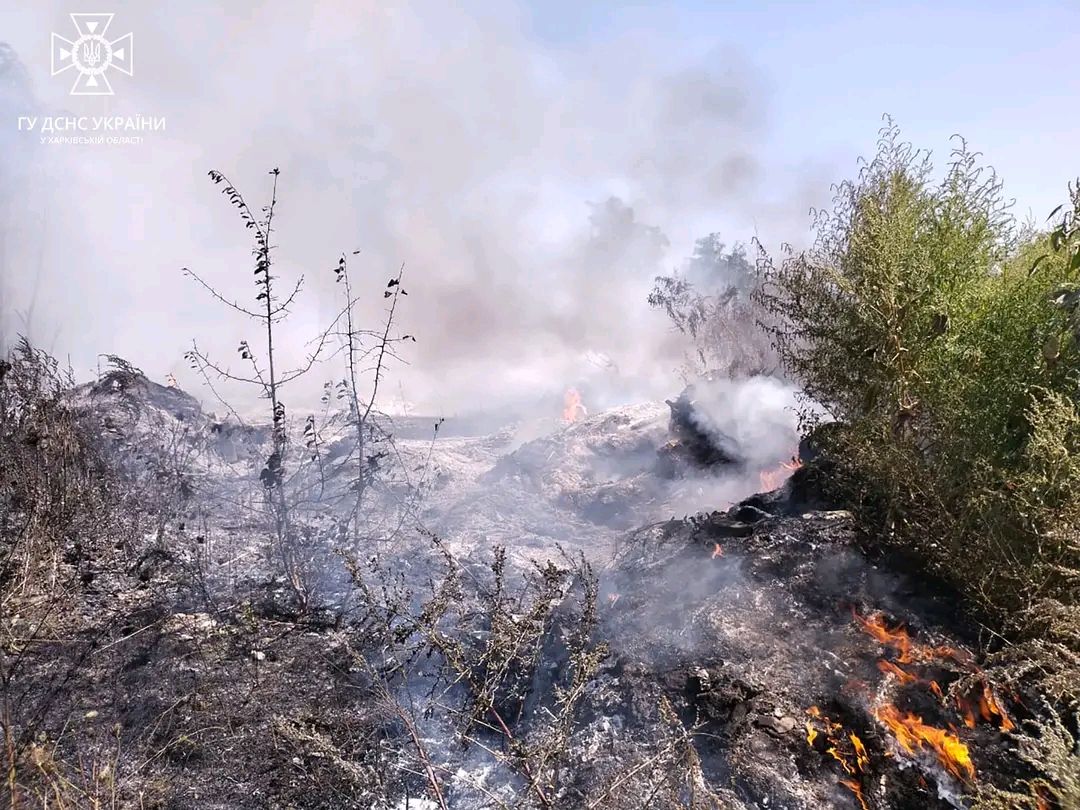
913	676
844	747
914	736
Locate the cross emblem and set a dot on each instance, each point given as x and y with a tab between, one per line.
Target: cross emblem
92	54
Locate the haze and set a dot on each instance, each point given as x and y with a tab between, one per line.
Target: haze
534	166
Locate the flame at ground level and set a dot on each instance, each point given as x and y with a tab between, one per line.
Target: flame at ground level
902	675
989	708
908	651
853	759
913	736
573	409
896	637
773	479
854	786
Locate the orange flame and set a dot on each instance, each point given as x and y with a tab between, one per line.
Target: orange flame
888	667
896	637
964	707
989	709
772	479
718	551
913	736
861	757
854	786
835	754
572	407
853	762
908	651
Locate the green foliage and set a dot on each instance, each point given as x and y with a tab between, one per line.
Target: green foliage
918	322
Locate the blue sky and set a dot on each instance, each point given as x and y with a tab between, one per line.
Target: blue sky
1000	73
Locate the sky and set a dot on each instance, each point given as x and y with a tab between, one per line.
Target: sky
994	72
533	166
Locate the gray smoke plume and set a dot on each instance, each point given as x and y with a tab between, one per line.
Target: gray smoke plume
532	193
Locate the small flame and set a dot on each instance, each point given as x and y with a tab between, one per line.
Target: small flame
888	667
774	478
853	762
856	788
964	707
896	637
908	650
835	754
860	751
573	409
718	551
989	709
913	736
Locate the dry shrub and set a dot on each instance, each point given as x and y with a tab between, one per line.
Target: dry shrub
64	521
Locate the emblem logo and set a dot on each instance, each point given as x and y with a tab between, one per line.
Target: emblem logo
93	55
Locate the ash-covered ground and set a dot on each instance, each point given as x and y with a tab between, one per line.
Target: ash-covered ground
589	614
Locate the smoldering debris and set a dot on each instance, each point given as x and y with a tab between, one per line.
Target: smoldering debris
532	652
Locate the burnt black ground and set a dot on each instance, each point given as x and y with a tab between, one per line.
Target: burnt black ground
179	672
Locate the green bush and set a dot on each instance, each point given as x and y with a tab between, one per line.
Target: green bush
917	322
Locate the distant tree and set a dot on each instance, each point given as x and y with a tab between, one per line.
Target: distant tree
617	238
710	301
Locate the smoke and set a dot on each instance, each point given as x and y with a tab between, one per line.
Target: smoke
758	417
15	163
531	193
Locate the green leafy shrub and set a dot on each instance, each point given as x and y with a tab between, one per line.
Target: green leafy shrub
943	343
917	322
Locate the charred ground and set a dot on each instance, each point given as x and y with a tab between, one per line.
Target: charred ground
768	655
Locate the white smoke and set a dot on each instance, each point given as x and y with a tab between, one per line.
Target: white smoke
532	193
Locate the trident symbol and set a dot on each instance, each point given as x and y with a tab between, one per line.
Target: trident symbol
91	53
